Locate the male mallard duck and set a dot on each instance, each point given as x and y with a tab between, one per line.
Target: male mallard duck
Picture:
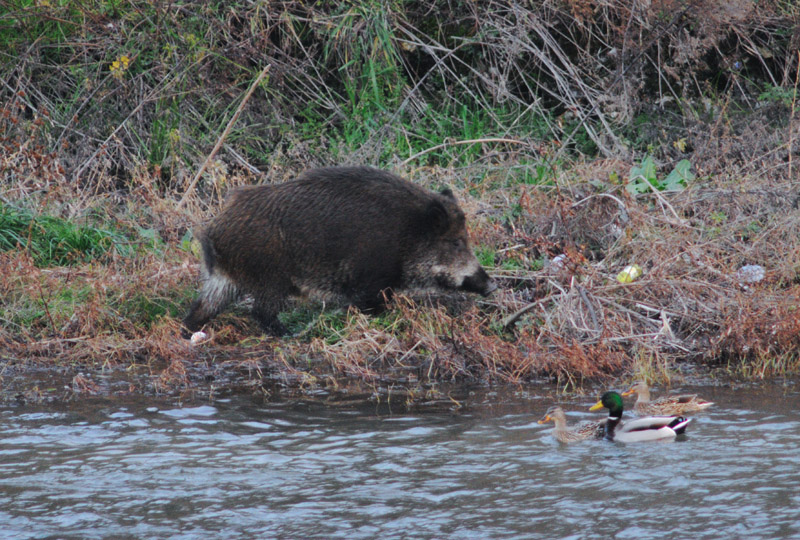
670	405
587	430
648	428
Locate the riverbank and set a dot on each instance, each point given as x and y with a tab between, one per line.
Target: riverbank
560	314
114	148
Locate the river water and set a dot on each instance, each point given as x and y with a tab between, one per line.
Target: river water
235	469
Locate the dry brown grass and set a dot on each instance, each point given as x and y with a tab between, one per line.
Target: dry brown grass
689	302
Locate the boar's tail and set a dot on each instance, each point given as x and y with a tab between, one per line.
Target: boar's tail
209	253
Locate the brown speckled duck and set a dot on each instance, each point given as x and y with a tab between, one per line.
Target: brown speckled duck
670	405
564	434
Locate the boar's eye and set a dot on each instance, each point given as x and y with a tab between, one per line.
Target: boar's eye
458	242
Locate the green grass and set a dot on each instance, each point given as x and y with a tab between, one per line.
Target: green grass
486	255
53	241
146	308
313	321
25	23
55	306
369	91
46	307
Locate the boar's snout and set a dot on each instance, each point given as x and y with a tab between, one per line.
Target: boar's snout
480	283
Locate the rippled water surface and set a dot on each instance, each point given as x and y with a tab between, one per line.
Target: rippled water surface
237	470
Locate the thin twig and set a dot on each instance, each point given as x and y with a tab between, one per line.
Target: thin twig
46	307
660	197
589	307
514	317
791	118
455	143
243	162
222	137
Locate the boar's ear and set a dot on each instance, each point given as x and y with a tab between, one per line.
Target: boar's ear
447	192
436	217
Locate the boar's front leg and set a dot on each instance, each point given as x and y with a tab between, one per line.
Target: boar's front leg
372	302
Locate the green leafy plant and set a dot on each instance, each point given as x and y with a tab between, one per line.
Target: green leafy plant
643	178
778	94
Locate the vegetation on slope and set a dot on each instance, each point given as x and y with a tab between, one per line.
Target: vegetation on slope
581	137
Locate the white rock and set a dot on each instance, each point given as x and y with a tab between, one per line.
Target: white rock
198	337
751	273
559	262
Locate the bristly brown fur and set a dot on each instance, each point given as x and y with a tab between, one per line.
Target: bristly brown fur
342	232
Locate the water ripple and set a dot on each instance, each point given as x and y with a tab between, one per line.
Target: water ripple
233	470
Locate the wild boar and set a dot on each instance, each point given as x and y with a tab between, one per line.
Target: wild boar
353	233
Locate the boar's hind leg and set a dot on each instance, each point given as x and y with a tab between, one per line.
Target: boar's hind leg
218	291
266	308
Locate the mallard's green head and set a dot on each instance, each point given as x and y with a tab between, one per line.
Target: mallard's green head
611	401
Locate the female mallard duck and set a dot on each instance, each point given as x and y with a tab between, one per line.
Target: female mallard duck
587	430
648	428
670	405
